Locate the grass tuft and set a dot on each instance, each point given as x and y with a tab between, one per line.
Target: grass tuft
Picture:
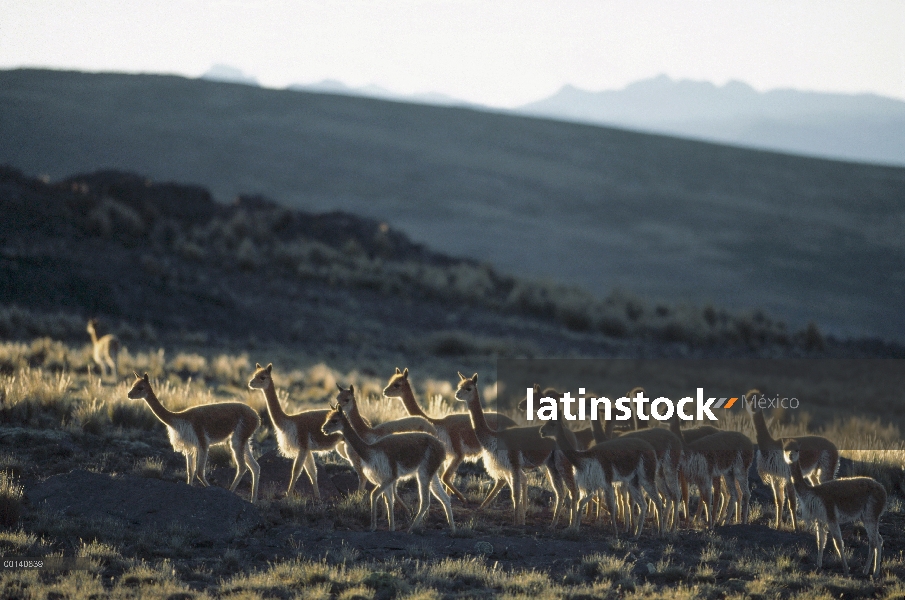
11	493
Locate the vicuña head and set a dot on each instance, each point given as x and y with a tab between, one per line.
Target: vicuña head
748	401
397	383
547	393
791	451
262	377
141	387
335	422
548	429
345	399
467	390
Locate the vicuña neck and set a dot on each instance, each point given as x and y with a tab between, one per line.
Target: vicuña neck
608	430
801	484
277	414
93	335
411	405
166	417
358	444
358	422
676	428
478	420
565	444
600	435
764	439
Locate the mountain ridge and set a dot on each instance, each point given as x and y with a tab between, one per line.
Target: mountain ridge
864	127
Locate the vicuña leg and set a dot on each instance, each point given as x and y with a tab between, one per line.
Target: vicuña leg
449	475
439	492
201	465
311	469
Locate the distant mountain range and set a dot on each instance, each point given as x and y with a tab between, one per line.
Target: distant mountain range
228	74
862	127
857	127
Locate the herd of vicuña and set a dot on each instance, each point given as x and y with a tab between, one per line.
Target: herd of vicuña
631	474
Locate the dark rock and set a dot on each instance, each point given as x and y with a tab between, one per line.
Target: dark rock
213	513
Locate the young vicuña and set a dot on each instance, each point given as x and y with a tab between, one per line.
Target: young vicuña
299	436
453	430
192	431
817	457
508	452
392	458
104	350
630	461
838	501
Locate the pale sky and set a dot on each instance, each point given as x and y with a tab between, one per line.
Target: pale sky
497	52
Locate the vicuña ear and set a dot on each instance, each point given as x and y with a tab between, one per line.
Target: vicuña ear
461	377
474	378
398	372
258	366
269	367
405	373
536	389
146	377
352	389
339	387
137	376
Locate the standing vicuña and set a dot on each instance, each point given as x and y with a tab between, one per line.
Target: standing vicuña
192	431
629	461
726	454
454	431
345	399
299	436
840	501
393	458
507	452
104	350
668	447
818	458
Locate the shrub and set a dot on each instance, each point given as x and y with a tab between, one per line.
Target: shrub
151	467
10	499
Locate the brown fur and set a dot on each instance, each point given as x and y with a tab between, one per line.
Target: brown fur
507	452
693	434
726	454
301	431
669	451
104	350
391	458
580	439
345	399
456	428
840	501
630	460
211	424
817	456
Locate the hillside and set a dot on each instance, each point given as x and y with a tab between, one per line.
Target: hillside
165	261
667	219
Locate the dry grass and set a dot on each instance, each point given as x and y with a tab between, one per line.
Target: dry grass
11	493
42	399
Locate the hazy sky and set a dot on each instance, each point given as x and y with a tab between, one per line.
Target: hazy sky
496	52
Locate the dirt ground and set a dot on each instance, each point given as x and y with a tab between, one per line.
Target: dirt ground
212	521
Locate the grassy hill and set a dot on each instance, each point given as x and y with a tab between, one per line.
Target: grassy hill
669	219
